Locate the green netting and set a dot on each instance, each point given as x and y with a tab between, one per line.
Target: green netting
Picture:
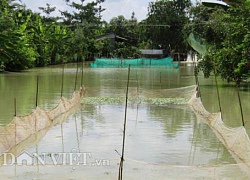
195	43
114	62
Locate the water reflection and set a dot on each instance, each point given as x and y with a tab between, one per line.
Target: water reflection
229	102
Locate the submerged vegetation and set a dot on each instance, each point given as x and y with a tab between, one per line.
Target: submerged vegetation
134	101
29	39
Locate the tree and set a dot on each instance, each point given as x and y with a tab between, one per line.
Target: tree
47	10
16	53
58	42
227	34
85	22
164	24
126	31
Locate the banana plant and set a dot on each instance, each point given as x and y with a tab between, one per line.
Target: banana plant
39	33
10	36
58	40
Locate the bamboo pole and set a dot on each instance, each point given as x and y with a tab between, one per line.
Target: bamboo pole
241	109
179	58
77	136
62	137
62	80
15	116
37	84
197	81
137	109
15	107
237	83
160	77
82	73
217	89
137	96
37	167
194	69
37	87
124	130
199	90
37	90
76	75
192	145
137	81
15	132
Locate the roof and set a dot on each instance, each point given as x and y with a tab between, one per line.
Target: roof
152	51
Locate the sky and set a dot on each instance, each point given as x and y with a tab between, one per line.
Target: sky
113	7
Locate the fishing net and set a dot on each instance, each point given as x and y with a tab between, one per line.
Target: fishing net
38	122
66	104
195	42
236	140
114	62
37	136
22	127
176	96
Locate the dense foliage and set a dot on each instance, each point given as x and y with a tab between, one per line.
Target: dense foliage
164	25
29	39
226	33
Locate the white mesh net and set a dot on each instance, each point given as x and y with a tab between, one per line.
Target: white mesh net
148	96
236	140
22	127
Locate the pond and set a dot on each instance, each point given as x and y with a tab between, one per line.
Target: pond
163	141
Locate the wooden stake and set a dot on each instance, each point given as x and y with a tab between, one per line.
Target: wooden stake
37	83
241	110
124	130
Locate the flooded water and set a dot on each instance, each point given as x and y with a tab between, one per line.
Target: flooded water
162	141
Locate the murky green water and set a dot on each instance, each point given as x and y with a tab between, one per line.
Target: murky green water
157	136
